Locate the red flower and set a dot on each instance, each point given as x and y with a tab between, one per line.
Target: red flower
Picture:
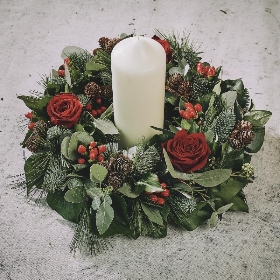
166	46
64	109
187	152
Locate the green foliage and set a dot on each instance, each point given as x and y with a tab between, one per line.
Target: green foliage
98	173
152	213
149	183
75	195
127	191
104	216
258	118
257	142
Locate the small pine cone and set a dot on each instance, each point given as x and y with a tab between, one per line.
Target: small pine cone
34	143
243	125
106	92
103	41
92	90
121	164
185	89
174	81
94	52
247	136
40	128
115	179
104	163
111	44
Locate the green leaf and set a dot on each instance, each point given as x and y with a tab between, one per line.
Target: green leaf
64	146
71	49
224	209
239	204
213	219
95	202
75	195
98	173
72	148
212	178
258	118
257	142
104	217
229	98
91	66
175	70
38	105
92	190
84	137
106	126
152	213
74	182
185	124
69	211
150	183
79	127
209	135
217	88
126	190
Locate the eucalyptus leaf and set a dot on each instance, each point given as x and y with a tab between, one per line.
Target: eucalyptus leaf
71	49
176	70
92	191
95	202
75	195
223	209
98	173
152	213
108	199
104	217
213	219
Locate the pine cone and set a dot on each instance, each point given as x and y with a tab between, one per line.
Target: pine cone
94	52
242	134
40	128
115	179
34	143
174	81
92	90
103	41
107	92
121	164
185	89
111	44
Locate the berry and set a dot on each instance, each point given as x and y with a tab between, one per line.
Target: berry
103	109
92	144
98	101
88	107
100	158
82	149
31	125
199	67
211	72
154	198
205	70
92	156
187	115
188	105
163	185
99	112
94	151
61	73
198	107
193	113
101	149
67	61
29	115
160	201
81	160
182	112
94	113
165	193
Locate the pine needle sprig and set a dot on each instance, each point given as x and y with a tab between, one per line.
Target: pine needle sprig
79	60
84	239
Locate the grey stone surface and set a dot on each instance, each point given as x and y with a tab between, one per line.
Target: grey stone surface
242	36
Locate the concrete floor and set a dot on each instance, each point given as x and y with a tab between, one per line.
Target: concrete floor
243	37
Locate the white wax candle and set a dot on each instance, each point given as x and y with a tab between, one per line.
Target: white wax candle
138	81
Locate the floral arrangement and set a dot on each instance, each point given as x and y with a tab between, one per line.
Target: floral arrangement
194	171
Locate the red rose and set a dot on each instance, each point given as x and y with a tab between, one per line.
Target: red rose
187	152
165	45
64	109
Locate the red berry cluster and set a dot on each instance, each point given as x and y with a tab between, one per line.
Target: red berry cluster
91	153
98	108
29	116
191	111
205	71
159	197
61	69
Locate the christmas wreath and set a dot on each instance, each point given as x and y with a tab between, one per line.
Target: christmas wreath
193	171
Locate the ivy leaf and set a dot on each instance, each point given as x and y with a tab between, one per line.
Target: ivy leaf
98	173
258	118
213	219
223	209
75	195
126	190
104	217
212	178
152	213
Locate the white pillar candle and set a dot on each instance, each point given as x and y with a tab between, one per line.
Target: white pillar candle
138	81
